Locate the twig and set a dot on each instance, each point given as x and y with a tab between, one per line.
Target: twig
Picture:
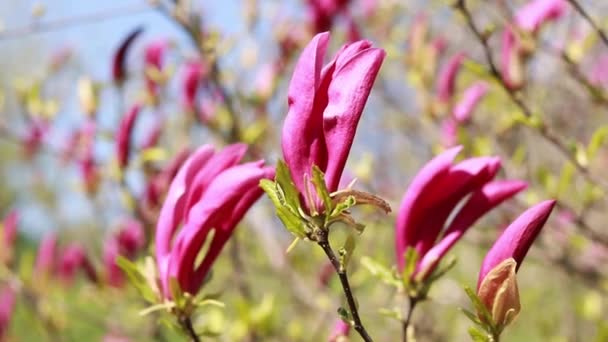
543	130
408	318
603	36
352	305
186	324
59	24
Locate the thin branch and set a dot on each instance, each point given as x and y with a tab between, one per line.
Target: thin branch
89	18
186	324
408	318
352	305
543	130
603	36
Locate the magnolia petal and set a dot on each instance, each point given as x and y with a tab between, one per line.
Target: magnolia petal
409	210
348	91
517	238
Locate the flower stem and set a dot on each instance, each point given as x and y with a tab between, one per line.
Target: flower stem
358	325
407	322
186	324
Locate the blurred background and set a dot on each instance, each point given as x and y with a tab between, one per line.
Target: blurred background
62	102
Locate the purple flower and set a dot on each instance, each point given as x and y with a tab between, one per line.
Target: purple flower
325	105
211	192
471	97
127	241
435	193
537	12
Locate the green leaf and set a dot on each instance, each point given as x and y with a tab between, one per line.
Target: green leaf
480	307
392	313
283	178
344	315
347	251
343	206
473	317
290	219
597	140
318	179
137	279
478	335
380	271
411	259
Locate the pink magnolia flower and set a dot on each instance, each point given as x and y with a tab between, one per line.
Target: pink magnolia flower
34	137
446	83
88	170
471	97
511	59
113	273
9	236
210	192
153	56
73	259
8	297
537	12
340	331
127	241
45	260
325	105
497	284
153	134
124	134
131	237
516	240
433	196
119	72
448	132
194	72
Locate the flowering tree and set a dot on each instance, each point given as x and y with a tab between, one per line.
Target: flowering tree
308	170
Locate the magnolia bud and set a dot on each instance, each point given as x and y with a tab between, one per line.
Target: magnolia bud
499	293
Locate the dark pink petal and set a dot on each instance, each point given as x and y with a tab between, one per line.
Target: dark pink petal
355	71
228	157
172	211
193	74
113	273
124	136
446	83
302	138
481	202
517	238
213	210
131	238
411	206
120	56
